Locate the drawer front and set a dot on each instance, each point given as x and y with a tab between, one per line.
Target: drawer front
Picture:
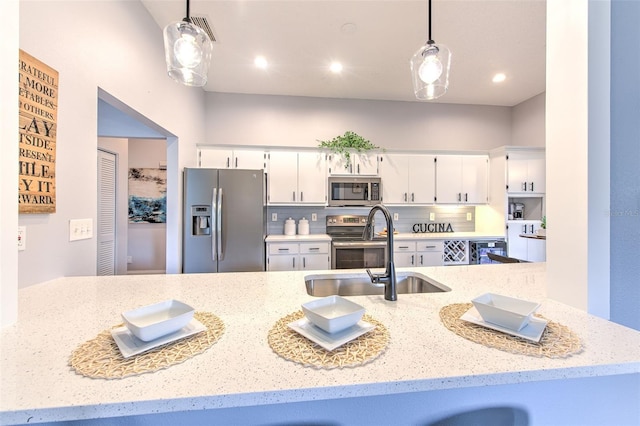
404	246
431	245
312	248
283	248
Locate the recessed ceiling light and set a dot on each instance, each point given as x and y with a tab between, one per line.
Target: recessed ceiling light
260	62
336	67
499	78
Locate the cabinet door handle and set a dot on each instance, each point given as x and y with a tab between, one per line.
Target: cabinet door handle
466	197
358	168
294	262
532	229
422	259
459	196
403	247
314	248
524	229
430	247
236	162
294	195
413	197
405	197
413	259
531	184
304	262
524	186
283	249
301	196
228	162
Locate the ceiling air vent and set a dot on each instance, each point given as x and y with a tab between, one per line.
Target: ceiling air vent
202	22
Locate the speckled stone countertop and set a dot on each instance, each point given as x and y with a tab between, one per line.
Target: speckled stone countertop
241	370
399	236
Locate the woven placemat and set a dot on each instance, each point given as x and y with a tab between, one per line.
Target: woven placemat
297	348
100	358
557	341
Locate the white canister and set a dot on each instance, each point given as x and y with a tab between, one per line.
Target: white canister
303	227
290	227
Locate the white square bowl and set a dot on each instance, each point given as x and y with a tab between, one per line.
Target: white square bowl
153	321
505	311
333	313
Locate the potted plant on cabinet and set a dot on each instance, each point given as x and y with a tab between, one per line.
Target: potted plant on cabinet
345	144
543	227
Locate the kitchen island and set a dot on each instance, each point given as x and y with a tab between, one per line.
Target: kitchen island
426	373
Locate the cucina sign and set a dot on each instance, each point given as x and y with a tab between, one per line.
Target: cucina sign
425	228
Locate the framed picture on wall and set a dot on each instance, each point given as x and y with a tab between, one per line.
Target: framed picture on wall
147	195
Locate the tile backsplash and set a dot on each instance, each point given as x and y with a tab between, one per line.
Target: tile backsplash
457	216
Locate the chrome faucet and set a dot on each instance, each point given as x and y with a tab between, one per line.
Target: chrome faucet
388	279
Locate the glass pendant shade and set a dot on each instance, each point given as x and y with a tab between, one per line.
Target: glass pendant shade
187	50
430	67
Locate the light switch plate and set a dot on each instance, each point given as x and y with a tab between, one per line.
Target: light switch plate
22	238
432	216
80	229
274	217
468	216
396	216
314	217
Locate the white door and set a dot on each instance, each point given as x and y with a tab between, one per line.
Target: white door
394	171
106	232
422	177
449	179
474	180
312	177
283	177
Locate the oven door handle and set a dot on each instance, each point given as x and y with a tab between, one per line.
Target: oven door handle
359	244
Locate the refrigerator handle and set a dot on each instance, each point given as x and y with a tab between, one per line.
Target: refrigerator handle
219	226
214	225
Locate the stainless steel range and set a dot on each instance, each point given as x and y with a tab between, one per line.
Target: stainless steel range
348	248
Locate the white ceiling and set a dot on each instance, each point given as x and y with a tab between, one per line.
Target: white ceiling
300	38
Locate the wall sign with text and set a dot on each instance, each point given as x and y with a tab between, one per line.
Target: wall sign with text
38	109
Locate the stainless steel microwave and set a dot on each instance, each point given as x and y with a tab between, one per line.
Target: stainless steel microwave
354	191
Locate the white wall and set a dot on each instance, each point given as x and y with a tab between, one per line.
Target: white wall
528	122
116	46
147	241
299	121
8	162
577	119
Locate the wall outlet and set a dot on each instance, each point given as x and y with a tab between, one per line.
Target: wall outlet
396	216
314	217
468	216
432	216
274	217
80	229
22	238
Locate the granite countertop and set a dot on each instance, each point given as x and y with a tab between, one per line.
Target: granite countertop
399	236
57	316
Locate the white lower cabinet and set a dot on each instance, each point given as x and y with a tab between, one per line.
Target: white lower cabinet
297	256
418	253
529	249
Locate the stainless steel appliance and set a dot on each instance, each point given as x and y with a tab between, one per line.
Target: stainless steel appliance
348	248
354	191
479	250
224	220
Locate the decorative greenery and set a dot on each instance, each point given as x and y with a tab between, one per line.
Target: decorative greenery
343	145
543	225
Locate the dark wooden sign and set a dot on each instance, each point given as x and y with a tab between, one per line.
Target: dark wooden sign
38	110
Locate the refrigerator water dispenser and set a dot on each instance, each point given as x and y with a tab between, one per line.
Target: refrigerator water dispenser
201	220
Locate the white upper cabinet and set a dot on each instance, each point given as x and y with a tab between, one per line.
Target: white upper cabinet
297	177
526	172
407	179
228	158
358	164
461	179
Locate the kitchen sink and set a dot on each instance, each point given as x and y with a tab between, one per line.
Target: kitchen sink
360	285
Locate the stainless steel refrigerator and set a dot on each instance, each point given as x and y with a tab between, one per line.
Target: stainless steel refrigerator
224	220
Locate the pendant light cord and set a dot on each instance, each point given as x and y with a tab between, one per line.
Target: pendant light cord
188	17
430	39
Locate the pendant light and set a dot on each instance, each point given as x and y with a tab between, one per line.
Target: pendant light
187	50
430	67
